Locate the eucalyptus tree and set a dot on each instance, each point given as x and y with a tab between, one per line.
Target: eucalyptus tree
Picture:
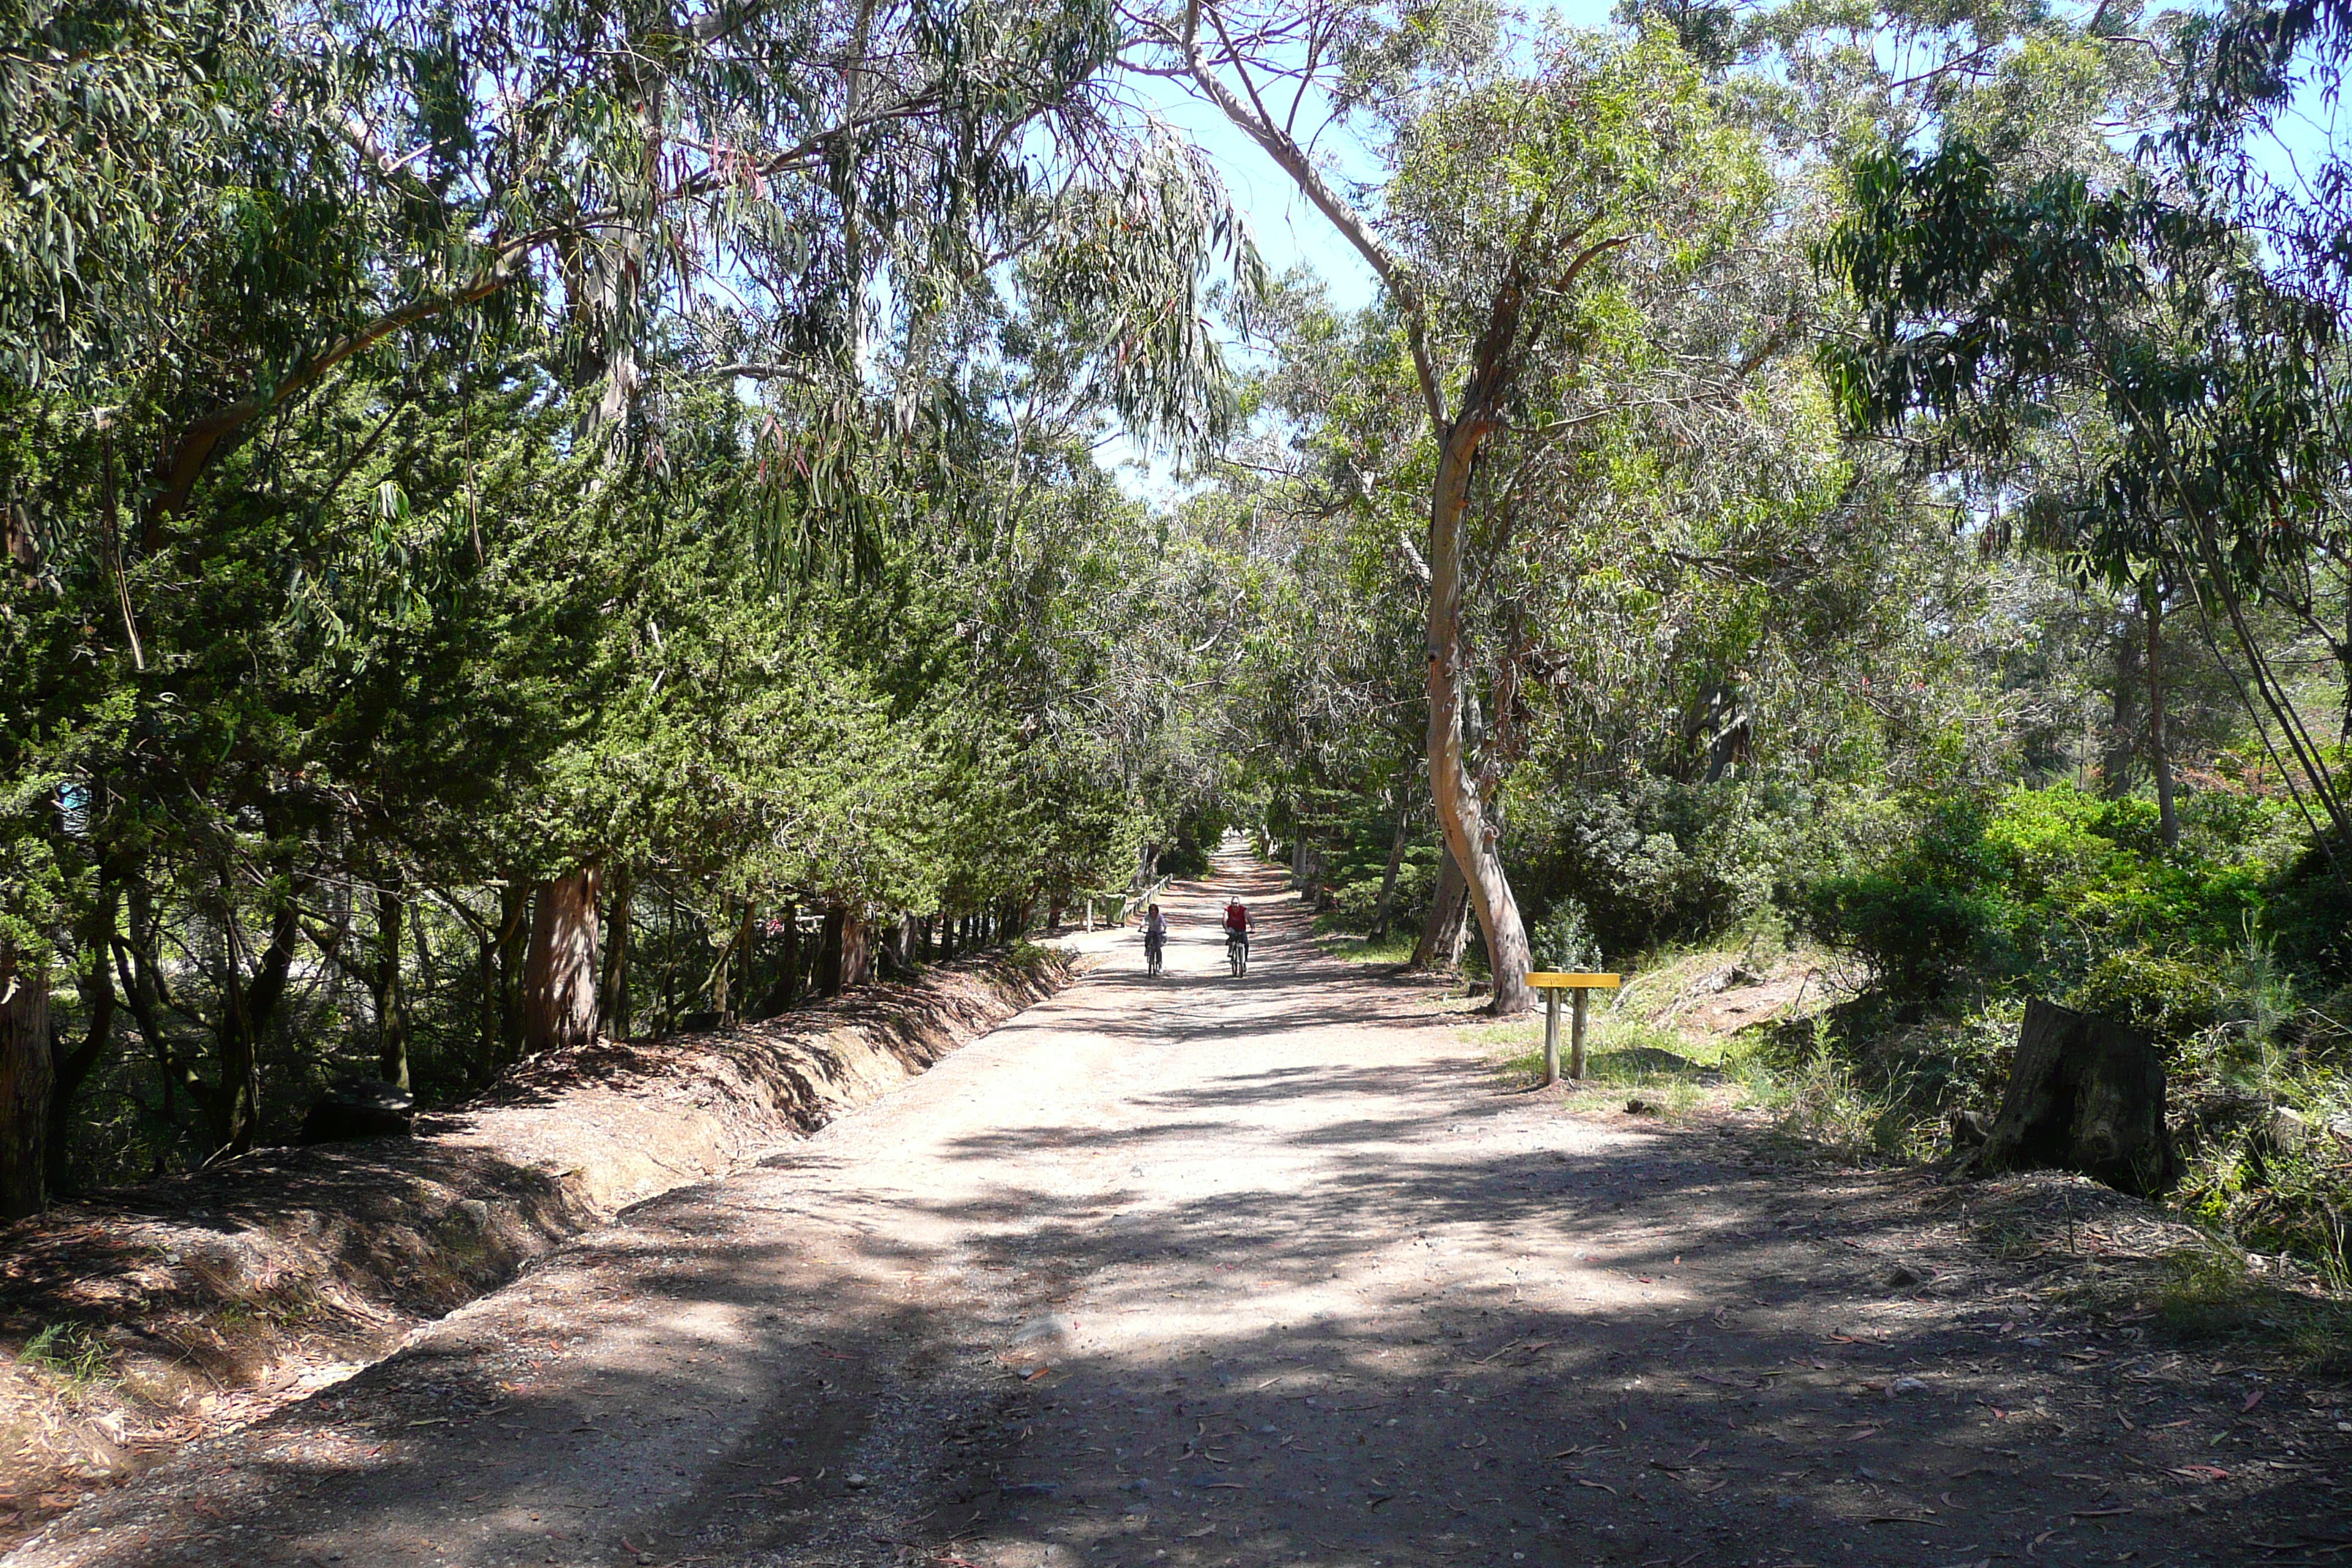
2000	302
1522	185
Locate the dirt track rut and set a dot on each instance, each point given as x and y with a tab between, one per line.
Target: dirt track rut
1198	1271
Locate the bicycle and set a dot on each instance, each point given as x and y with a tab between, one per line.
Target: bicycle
1152	946
1237	951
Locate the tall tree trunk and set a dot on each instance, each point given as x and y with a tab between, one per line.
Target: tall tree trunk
510	950
612	993
1460	810
780	995
831	954
2159	753
1386	904
857	948
26	1084
390	995
560	972
142	992
738	958
247	1009
2119	747
73	1068
1494	363
1441	929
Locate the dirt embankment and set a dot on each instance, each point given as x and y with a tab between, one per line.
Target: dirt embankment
136	1321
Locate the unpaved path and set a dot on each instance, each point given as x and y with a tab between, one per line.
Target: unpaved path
1200	1271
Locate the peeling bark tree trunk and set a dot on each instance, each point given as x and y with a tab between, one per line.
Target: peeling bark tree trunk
2086	1094
1443	928
560	971
1460	810
26	1081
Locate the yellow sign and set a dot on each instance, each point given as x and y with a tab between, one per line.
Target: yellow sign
1576	982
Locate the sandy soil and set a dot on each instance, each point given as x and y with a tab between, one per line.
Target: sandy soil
209	1299
1202	1271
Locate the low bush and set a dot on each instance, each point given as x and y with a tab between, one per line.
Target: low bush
1655	861
2058	889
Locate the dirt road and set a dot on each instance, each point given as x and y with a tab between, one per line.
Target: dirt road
1202	1271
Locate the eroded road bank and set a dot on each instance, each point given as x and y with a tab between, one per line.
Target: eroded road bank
1207	1272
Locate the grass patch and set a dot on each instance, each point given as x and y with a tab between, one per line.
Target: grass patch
1822	1100
1357	948
68	1353
2211	1293
1675	1073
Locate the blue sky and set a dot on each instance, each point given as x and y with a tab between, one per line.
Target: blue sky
1289	230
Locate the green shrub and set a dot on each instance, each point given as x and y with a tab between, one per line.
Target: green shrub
1563	939
1917	936
1655	861
2049	885
2169	997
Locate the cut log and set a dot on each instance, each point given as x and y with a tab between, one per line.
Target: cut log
2086	1094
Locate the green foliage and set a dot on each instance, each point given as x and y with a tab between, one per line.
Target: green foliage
2055	885
2171	998
1563	941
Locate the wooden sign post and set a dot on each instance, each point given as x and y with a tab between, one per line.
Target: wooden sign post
1552	985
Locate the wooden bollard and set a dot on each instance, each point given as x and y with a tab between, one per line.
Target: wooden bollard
1552	985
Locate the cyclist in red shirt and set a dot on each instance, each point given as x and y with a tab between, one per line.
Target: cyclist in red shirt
1237	925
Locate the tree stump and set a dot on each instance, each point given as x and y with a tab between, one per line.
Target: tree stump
2086	1094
